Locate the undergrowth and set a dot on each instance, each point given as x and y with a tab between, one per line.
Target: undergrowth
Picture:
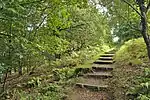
141	91
132	74
40	88
133	52
53	81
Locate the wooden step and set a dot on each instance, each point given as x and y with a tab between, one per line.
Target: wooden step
91	86
106	58
104	62
102	67
94	81
107	55
99	74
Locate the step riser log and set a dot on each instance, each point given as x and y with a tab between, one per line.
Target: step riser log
98	76
97	88
98	69
96	62
107	55
105	58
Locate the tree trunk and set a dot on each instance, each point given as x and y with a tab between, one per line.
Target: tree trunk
20	68
4	81
148	50
144	27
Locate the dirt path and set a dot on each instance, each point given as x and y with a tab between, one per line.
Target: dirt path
95	85
85	94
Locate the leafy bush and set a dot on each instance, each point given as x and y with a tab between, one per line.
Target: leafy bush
34	82
132	52
49	92
64	73
77	57
142	90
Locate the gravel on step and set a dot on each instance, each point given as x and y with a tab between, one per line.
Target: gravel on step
94	81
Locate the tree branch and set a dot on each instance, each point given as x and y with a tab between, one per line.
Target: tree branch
1	18
129	23
40	24
5	34
132	7
67	28
148	7
61	29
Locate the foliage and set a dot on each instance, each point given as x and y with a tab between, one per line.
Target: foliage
79	57
49	92
124	32
132	52
34	32
40	89
35	82
125	17
45	35
64	73
131	60
141	91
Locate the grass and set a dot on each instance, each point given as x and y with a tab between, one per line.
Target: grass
88	63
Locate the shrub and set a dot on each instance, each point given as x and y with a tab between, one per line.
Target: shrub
141	91
132	52
49	92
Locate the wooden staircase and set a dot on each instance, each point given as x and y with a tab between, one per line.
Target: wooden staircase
101	73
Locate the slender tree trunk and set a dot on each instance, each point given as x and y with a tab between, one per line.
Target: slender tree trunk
15	70
144	26
4	81
20	68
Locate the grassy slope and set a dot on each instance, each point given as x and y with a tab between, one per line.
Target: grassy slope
130	63
88	63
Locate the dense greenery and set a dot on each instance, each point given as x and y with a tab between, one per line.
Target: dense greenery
41	35
132	71
124	14
141	91
132	52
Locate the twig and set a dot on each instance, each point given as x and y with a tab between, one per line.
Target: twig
42	20
4	34
132	8
128	22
